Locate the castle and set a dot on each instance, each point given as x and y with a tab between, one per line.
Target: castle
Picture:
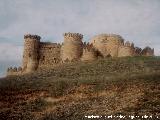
39	54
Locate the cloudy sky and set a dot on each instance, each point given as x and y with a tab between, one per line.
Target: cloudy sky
136	20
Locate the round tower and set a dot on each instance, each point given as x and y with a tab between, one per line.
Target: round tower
72	47
107	44
30	54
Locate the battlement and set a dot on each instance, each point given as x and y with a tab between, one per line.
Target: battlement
128	44
88	47
73	35
36	37
14	69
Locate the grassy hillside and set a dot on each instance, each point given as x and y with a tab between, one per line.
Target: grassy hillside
111	86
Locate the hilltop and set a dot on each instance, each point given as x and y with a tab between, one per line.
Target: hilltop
110	86
38	54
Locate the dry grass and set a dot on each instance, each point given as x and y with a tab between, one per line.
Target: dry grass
107	86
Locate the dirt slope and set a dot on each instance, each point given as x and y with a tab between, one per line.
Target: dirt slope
119	86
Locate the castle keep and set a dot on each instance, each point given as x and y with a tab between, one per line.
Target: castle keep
39	54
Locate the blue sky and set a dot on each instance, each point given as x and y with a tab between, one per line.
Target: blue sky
136	20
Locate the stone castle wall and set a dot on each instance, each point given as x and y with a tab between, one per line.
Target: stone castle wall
89	52
39	54
126	49
49	54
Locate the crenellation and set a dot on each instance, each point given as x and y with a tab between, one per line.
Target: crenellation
29	36
127	43
39	55
14	71
75	35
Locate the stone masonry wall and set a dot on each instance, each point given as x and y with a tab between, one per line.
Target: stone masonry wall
126	50
89	52
49	54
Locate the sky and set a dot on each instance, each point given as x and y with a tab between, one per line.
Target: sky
137	21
